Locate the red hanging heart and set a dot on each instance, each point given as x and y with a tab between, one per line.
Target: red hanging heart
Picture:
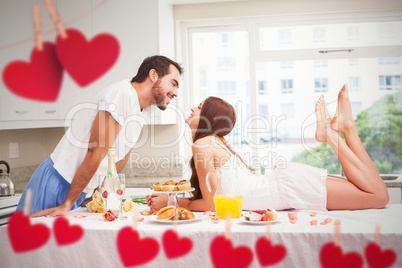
86	61
268	254
331	257
174	246
224	255
133	250
377	258
40	79
66	234
24	236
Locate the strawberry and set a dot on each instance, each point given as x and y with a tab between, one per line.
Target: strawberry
264	218
105	194
119	191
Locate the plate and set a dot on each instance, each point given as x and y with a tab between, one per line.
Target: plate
174	192
172	222
243	219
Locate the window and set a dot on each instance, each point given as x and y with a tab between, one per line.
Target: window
354	83
321	84
390	82
287	85
319	35
226	88
357	108
285	53
285	36
288	109
262	87
203	77
320	63
226	63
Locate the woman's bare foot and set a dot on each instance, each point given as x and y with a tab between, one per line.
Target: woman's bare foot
343	118
323	120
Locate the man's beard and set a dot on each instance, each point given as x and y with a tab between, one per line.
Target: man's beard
159	95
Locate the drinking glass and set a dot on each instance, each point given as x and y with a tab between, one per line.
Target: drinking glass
112	189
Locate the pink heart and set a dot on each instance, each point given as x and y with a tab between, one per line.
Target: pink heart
86	61
331	256
268	254
24	236
66	234
377	258
224	255
133	250
40	79
174	246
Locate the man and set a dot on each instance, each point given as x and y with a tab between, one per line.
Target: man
62	182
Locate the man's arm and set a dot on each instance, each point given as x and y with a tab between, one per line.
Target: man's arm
103	135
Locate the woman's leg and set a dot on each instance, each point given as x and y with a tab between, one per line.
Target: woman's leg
369	187
343	122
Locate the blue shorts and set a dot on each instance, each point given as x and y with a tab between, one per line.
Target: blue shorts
48	189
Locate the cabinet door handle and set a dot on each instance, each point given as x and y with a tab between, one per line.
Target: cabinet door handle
50	111
21	111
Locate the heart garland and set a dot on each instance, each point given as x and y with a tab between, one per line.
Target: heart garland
40	79
268	254
134	251
25	236
376	258
66	234
331	256
174	246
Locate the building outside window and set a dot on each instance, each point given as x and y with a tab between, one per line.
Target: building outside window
287	85
321	84
354	83
390	82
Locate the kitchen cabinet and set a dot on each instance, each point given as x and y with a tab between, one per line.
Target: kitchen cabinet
16	44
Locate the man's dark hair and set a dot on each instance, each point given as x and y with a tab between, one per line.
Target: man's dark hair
159	63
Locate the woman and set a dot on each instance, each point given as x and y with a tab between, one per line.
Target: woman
297	186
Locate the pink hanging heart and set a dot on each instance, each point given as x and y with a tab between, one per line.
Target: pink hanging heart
268	254
331	256
378	258
224	255
66	234
133	250
86	61
174	246
25	236
40	79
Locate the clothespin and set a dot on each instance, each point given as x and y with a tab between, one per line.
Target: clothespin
135	217
268	231
56	18
337	238
37	27
27	202
377	235
227	233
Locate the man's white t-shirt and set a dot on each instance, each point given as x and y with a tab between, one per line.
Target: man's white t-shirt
121	101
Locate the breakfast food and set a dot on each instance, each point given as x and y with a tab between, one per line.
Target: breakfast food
169	186
172	186
170	213
184	185
166	213
158	186
263	215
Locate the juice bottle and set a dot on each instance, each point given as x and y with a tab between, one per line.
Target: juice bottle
228	207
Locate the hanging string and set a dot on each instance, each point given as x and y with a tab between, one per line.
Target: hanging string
51	31
37	27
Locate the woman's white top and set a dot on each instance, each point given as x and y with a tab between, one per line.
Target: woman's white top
121	101
254	188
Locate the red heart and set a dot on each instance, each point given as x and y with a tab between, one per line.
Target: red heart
175	247
40	79
224	255
86	61
331	257
66	234
377	258
133	250
268	254
24	236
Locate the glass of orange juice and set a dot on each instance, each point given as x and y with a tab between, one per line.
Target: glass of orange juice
228	207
